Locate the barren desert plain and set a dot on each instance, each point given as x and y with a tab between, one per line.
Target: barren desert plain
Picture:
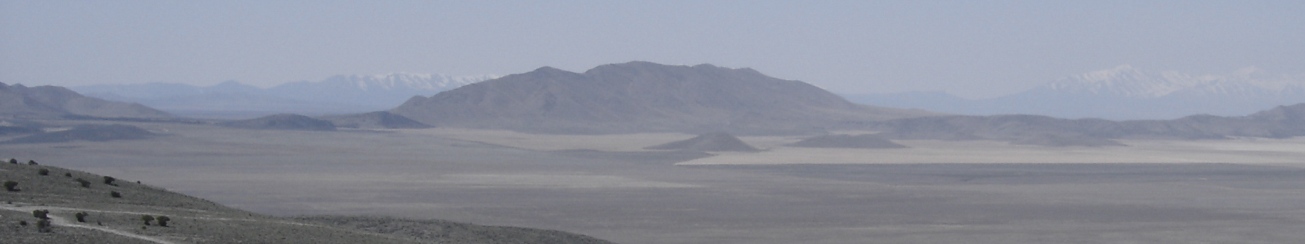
1239	190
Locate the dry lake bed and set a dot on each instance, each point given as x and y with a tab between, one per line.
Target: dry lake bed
1226	191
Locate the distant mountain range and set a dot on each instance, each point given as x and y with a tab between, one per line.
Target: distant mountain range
642	97
335	95
638	97
1121	93
19	101
1278	122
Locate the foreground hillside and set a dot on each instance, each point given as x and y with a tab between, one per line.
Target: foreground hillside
113	211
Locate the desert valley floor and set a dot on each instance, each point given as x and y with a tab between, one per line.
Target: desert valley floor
607	186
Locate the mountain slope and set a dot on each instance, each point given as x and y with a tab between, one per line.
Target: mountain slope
641	97
52	101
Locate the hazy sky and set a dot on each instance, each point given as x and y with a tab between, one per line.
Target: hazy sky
970	48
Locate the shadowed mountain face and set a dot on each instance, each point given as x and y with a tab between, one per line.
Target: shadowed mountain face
282	122
53	101
641	97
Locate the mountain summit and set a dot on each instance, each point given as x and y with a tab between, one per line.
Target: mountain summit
641	97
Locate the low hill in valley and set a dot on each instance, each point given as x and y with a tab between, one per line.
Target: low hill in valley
710	142
847	141
87	133
375	120
282	122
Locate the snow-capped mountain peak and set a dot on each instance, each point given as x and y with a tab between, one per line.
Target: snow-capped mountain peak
1126	81
406	81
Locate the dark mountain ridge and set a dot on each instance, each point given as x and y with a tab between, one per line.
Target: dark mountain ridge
642	97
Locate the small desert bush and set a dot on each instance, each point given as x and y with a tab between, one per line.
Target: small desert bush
147	219
163	220
81	216
43	226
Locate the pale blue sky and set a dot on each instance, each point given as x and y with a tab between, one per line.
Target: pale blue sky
970	48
